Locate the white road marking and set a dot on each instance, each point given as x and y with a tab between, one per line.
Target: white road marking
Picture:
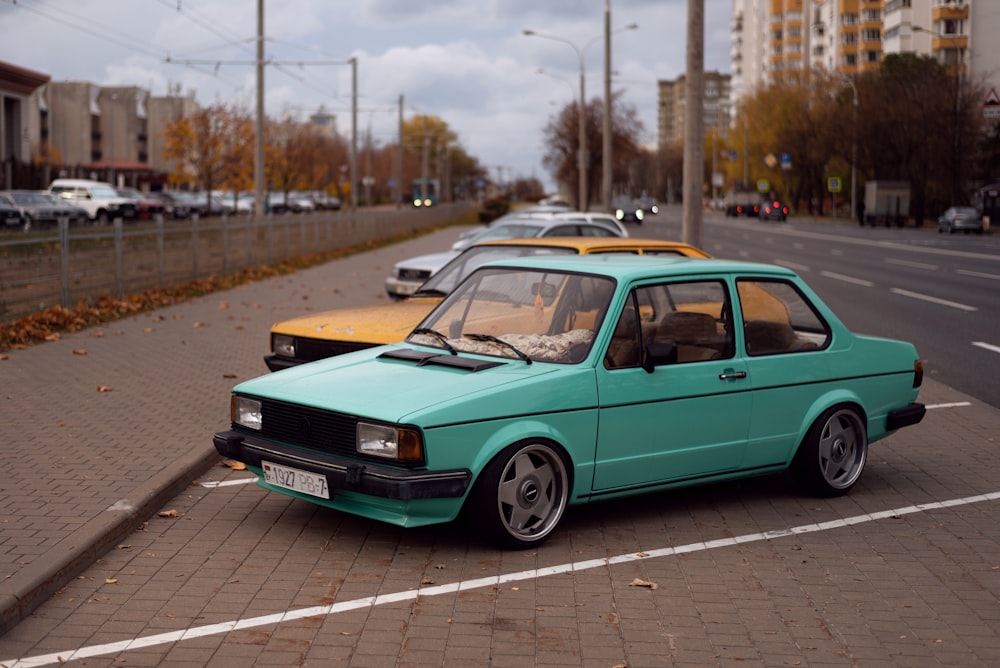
914	265
228	483
954	404
986	346
977	274
467	585
847	279
933	300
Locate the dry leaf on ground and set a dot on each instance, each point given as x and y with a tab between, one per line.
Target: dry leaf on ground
642	583
168	513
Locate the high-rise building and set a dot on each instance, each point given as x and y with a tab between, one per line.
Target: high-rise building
715	106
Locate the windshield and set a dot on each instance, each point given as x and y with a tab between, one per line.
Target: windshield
511	231
533	315
445	280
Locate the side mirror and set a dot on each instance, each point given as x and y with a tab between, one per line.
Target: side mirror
659	353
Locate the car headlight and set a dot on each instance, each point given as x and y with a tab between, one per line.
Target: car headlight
245	412
390	442
282	344
639	215
619	214
417	202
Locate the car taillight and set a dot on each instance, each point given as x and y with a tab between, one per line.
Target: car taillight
918	373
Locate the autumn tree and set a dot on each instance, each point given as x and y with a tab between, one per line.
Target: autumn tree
562	143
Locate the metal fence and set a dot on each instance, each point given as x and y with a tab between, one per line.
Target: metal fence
68	265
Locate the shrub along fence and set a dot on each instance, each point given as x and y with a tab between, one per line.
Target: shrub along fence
69	265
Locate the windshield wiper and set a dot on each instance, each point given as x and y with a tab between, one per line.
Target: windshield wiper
437	335
490	337
429	292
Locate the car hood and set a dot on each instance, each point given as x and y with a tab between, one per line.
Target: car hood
433	261
378	323
368	384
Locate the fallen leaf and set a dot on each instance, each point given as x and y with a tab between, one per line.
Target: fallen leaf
103	388
147	329
123	546
223	306
642	554
167	513
110	581
237	466
178	316
201	324
4	357
427	581
642	583
229	375
54	336
80	351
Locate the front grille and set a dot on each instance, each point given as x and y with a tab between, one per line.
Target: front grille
414	274
311	350
309	427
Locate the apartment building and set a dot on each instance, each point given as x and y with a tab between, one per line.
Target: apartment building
671	105
853	36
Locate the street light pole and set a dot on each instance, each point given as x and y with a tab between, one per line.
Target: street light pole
854	148
581	118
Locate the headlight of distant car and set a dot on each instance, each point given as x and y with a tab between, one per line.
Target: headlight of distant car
619	214
282	344
245	412
639	215
654	209
390	442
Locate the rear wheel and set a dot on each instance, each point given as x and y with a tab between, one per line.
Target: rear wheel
520	496
833	454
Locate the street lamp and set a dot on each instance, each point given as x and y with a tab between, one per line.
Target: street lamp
581	110
854	148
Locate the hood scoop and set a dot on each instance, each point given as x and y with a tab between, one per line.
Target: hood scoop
454	361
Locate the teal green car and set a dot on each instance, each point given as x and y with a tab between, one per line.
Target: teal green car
545	382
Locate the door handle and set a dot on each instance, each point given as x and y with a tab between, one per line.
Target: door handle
732	374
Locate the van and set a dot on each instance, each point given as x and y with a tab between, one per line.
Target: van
101	201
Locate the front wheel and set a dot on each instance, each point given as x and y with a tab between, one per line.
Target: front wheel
833	454
520	496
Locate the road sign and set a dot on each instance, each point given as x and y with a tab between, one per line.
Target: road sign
833	184
770	160
786	161
763	186
991	107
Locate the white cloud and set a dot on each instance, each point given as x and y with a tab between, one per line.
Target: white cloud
466	61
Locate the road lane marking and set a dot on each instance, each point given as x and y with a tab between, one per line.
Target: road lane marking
913	265
847	279
479	583
986	346
933	300
977	274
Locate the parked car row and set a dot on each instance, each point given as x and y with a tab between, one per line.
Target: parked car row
35	209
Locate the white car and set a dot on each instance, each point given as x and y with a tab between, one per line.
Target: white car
408	275
101	201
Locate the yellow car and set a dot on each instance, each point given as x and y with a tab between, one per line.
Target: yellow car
317	336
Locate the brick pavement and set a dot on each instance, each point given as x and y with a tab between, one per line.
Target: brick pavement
105	425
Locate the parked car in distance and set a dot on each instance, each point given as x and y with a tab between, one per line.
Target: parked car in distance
146	207
547	382
526	228
960	219
319	335
40	209
101	201
175	205
11	217
773	209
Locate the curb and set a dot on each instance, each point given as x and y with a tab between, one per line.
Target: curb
27	589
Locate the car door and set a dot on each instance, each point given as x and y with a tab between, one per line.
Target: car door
674	396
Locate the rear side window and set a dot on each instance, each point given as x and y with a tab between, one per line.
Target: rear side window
779	319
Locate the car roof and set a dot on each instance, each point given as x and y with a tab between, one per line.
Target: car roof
638	267
586	245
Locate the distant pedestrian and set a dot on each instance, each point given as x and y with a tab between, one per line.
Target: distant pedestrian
860	210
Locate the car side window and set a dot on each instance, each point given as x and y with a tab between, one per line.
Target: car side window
679	322
779	319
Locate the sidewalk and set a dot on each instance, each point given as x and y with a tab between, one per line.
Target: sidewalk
101	428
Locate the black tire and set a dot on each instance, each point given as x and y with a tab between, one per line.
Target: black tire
833	453
520	496
102	218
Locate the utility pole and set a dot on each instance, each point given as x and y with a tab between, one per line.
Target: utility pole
399	159
694	124
606	162
258	154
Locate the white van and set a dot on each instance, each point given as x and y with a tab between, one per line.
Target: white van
100	199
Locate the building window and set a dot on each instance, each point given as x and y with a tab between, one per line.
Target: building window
849	38
871	35
849	19
871	56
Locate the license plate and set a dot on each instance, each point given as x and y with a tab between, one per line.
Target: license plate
295	480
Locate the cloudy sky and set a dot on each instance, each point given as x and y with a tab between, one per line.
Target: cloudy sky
466	61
